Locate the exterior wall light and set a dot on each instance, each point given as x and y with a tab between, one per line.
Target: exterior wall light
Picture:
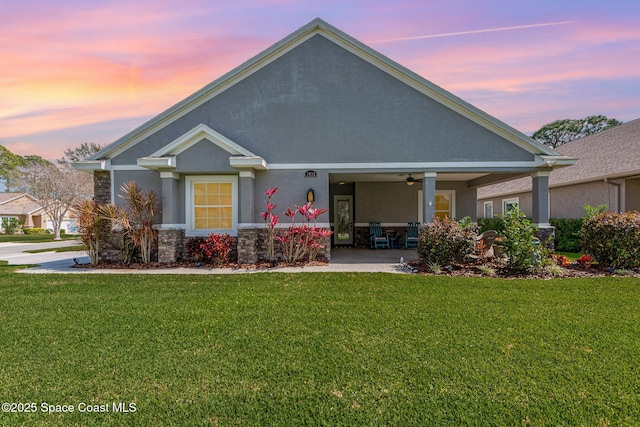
311	196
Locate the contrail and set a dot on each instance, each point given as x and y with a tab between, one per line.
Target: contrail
488	30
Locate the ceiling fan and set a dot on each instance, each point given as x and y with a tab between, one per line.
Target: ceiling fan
411	180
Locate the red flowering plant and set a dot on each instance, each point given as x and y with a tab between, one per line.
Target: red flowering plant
217	248
304	241
561	260
585	261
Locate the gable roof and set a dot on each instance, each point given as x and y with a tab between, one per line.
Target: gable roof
319	27
18	204
612	153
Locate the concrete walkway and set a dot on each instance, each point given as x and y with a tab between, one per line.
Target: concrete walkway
342	260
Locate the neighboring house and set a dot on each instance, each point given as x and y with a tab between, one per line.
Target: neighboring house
23	207
607	172
317	111
28	211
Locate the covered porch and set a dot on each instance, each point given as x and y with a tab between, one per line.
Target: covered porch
396	198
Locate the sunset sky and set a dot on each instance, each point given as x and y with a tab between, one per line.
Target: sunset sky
74	71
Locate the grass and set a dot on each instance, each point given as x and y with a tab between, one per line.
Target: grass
321	349
74	248
33	238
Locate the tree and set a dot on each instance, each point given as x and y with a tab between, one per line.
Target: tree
57	188
85	150
9	162
559	132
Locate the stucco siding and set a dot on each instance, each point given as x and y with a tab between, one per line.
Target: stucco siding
569	201
565	202
386	202
320	103
292	190
632	194
204	157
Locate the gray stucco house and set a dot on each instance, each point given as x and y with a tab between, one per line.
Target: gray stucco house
607	172
318	110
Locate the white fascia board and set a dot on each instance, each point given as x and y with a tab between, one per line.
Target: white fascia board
411	166
253	162
157	162
92	165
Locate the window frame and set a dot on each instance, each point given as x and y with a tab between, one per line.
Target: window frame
511	201
484	209
190	205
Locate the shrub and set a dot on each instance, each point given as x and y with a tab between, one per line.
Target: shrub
486	224
11	225
214	249
90	227
34	230
217	248
613	239
443	242
194	248
519	240
567	233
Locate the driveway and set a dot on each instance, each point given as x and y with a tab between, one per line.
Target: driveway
14	254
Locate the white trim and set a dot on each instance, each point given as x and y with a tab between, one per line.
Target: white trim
542	174
247	174
254	162
128	168
189	180
512	200
92	165
157	162
196	135
171	226
171	175
484	209
407	166
281	225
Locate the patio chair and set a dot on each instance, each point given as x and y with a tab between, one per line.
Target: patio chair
411	239
485	243
376	239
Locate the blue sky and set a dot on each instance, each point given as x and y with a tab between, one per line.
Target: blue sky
81	71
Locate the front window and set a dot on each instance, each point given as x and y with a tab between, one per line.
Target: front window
212	204
509	204
488	209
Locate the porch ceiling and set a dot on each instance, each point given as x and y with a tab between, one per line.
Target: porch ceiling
336	178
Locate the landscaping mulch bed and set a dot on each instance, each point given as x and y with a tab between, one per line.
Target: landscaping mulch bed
499	270
502	271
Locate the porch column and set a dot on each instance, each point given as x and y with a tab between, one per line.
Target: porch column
170	182
247	182
170	235
540	187
428	196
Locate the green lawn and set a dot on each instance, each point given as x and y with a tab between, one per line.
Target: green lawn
33	238
320	349
74	248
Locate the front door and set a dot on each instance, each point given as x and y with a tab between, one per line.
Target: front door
343	220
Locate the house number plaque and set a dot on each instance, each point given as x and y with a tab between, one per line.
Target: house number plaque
311	174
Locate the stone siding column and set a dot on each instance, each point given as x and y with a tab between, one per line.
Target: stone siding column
247	246
102	186
170	244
